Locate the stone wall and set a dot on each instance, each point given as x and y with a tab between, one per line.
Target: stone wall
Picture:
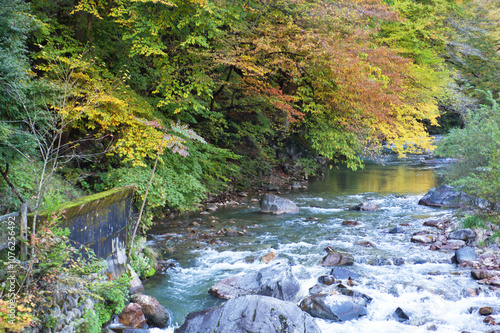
100	222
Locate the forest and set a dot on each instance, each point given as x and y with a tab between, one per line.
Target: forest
219	96
91	88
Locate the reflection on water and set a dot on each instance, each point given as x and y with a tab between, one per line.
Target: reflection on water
383	179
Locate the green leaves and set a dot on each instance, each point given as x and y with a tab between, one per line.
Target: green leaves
477	148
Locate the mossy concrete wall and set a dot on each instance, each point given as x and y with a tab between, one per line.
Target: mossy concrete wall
100	222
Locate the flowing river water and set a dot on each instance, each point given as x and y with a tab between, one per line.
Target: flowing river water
428	287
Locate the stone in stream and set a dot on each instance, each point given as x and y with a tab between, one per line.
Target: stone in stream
326	279
443	196
398	261
250	313
275	280
316	289
269	257
366	206
343	274
334	307
336	258
465	254
366	243
440	224
272	204
400	315
155	313
397	230
351	223
485	310
352	293
423	239
463	234
480	274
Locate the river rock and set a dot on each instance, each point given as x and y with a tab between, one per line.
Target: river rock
334	307
276	281
352	293
400	315
397	230
132	316
436	224
316	289
350	223
456	243
272	204
423	239
485	310
250	313
398	261
212	207
443	196
269	257
465	254
463	234
480	274
155	313
335	258
326	279
366	243
343	274
436	246
365	206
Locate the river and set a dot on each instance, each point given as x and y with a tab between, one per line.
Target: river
431	290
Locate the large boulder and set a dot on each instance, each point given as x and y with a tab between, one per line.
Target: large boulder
250	313
272	204
275	281
443	196
334	307
155	313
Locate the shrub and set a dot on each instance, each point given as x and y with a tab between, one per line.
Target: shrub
477	147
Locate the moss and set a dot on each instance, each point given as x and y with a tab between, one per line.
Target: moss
95	201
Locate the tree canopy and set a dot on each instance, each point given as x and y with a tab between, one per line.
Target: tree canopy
339	79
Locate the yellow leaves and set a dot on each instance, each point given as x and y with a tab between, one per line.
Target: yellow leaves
406	134
16	322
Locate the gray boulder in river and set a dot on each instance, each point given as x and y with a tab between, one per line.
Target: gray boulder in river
465	254
334	307
272	204
444	196
250	313
275	281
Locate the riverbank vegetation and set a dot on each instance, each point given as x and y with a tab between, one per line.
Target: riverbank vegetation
226	95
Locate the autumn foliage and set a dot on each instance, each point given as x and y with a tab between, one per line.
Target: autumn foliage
340	79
